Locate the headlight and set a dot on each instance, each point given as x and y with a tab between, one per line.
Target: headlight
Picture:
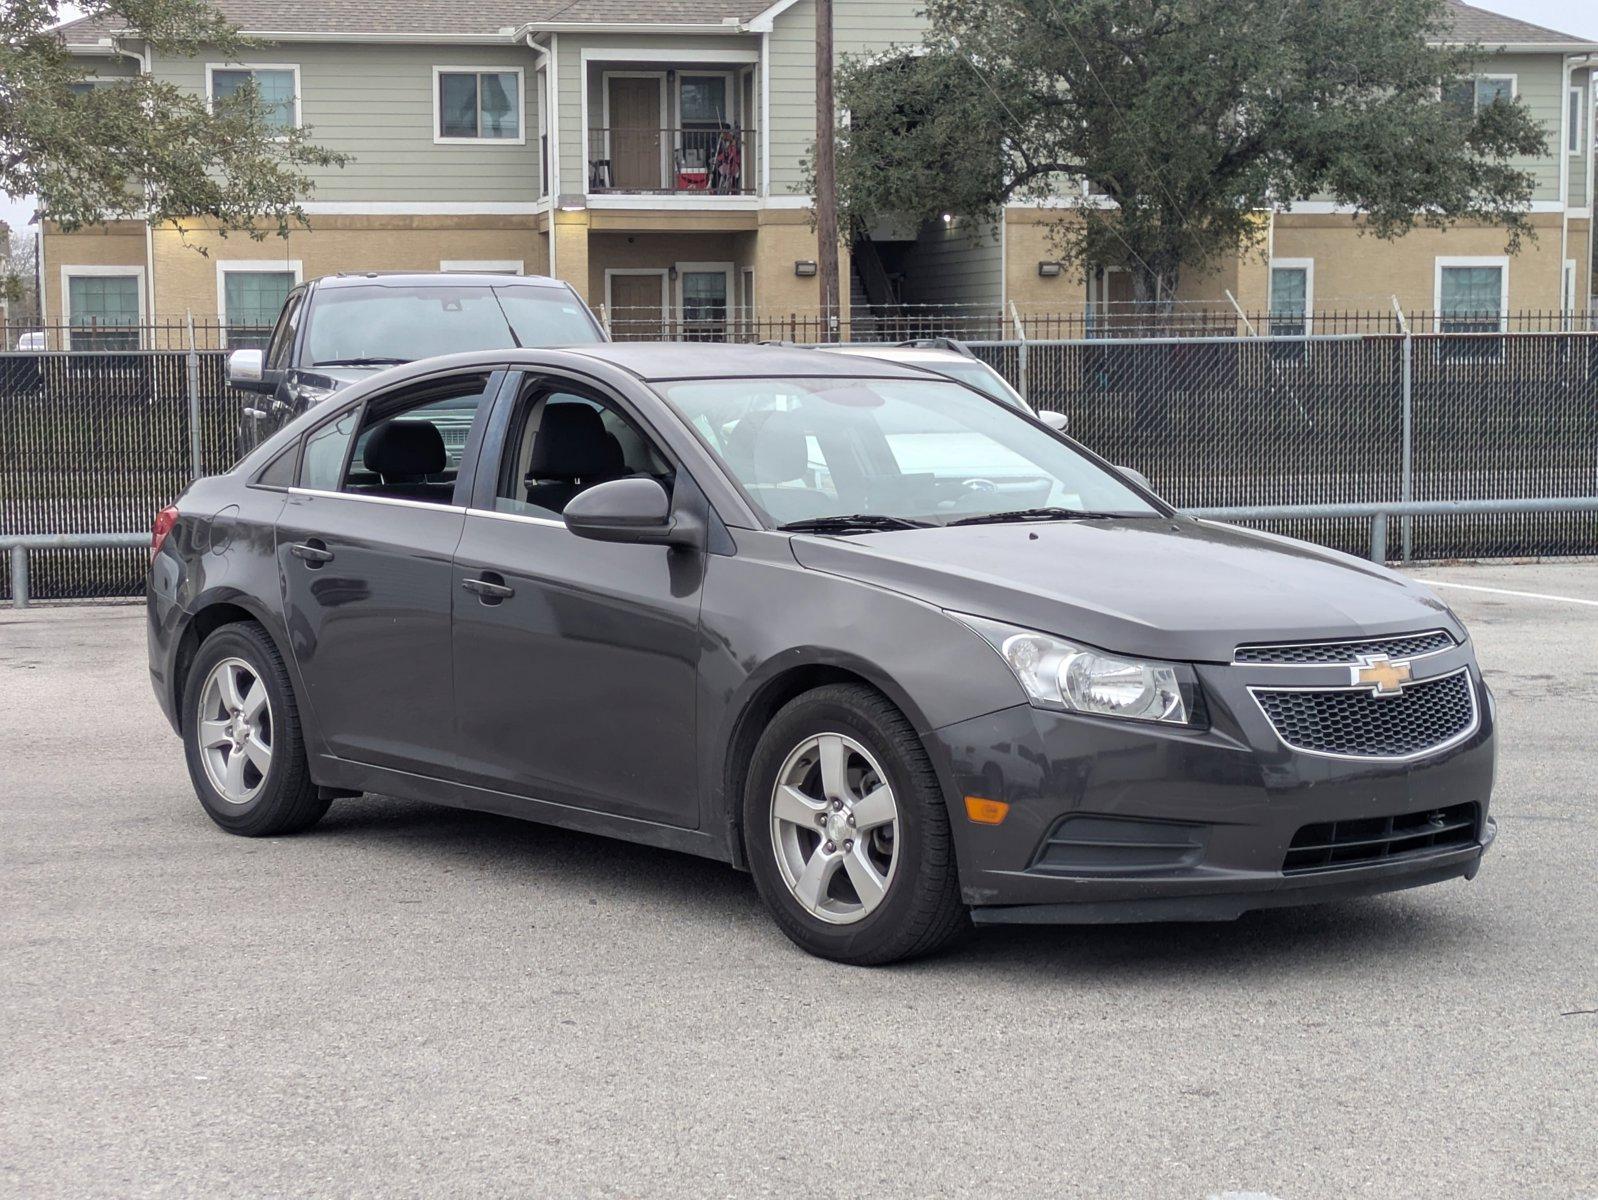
1058	674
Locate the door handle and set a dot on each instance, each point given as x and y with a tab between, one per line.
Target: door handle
490	589
313	552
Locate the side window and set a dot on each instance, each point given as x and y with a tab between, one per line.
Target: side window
281	347
322	465
410	444
279	473
565	441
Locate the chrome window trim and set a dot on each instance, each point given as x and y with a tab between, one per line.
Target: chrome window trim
1361	641
1464	734
525	518
395	500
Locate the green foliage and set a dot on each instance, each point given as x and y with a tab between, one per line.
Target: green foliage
142	148
1168	124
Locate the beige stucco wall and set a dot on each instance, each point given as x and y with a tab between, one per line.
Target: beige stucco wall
120	244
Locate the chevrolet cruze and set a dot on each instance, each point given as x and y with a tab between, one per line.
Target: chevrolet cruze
901	651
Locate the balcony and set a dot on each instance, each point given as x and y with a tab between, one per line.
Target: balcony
669	162
670	129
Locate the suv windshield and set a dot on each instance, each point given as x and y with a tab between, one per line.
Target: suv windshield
376	324
879	450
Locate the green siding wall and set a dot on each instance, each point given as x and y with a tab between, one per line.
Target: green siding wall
376	103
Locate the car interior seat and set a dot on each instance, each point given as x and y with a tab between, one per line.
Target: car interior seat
572	451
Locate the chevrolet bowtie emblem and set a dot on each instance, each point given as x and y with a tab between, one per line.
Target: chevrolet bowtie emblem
1381	674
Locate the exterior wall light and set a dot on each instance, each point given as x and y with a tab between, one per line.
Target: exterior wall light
804	267
1050	269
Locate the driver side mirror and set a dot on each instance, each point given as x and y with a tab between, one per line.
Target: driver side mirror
1056	421
246	370
635	510
1138	478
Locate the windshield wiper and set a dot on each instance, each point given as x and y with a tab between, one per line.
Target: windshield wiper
852	523
360	362
1040	514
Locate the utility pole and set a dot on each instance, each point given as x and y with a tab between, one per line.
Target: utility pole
826	179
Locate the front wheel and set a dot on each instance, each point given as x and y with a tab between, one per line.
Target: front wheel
241	737
847	831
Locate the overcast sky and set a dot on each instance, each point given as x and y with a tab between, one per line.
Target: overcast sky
1579	17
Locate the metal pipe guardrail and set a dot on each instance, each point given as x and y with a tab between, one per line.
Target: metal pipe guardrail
1378	513
18	545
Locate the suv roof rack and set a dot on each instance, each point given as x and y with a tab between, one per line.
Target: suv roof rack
937	343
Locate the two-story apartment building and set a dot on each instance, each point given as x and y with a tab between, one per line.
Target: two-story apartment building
651	153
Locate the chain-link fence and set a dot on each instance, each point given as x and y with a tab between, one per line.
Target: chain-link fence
97	441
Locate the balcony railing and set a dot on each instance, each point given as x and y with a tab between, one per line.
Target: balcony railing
671	161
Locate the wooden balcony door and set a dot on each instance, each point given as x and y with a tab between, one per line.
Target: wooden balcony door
637	305
636	138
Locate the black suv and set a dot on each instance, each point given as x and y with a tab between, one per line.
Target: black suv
339	329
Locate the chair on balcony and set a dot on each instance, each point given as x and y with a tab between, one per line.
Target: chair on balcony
599	176
691	170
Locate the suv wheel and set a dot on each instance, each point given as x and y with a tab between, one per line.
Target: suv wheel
847	830
241	737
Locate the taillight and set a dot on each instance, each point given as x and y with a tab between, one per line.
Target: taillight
164	521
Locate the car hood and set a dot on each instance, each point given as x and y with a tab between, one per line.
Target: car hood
1173	588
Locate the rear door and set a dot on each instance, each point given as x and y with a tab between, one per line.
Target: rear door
575	660
364	548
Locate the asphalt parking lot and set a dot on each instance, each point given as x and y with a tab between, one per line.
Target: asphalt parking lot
419	1001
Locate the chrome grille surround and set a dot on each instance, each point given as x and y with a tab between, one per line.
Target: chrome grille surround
1426	717
1315	654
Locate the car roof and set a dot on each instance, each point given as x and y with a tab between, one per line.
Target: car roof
434	279
659	361
910	354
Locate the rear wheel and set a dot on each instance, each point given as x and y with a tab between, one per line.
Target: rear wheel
241	737
847	830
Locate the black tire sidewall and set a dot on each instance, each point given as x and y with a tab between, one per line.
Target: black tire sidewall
874	937
269	806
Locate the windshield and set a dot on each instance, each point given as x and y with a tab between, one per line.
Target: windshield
982	377
357	326
918	451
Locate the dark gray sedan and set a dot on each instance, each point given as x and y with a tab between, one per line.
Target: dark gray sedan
901	651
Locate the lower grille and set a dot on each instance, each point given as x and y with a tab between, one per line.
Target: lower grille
1354	723
1376	839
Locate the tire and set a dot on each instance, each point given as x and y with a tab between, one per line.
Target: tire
225	755
888	890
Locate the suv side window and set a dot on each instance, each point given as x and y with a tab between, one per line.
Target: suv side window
563	441
281	348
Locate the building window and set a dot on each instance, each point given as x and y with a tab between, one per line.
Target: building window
104	310
704	300
478	106
276	87
1574	123
1470	297
252	298
1469	96
1291	296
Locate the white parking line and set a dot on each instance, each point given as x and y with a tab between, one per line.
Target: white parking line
1471	587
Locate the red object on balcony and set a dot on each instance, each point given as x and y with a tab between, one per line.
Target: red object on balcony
694	180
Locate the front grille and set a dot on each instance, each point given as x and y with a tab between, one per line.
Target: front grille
1409	645
1354	723
1374	839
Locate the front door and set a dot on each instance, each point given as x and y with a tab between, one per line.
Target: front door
636	133
638	307
364	551
575	660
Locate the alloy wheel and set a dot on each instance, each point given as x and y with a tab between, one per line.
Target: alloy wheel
834	828
235	730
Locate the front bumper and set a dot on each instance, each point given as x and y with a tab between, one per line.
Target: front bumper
1180	824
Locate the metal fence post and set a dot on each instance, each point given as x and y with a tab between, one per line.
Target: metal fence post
1379	537
192	363
1406	486
1021	355
19	577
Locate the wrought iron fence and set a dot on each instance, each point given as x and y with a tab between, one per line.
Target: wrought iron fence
97	441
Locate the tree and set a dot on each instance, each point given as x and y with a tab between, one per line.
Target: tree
19	277
143	148
1167	124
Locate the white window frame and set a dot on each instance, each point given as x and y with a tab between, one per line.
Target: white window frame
1568	291
728	269
485	69
666	125
69	272
1514	88
212	68
664	274
240	266
489	266
1575	110
1491	260
1307	265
